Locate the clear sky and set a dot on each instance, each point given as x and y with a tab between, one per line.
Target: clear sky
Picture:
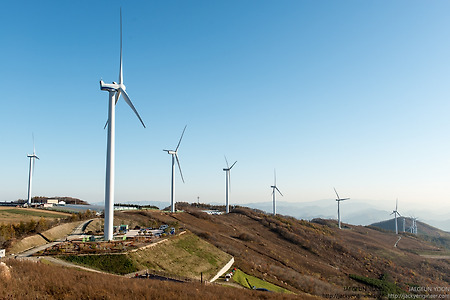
346	94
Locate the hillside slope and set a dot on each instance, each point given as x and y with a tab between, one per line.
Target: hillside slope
312	257
424	231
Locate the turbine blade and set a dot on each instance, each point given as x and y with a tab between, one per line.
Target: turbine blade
336	193
279	191
179	142
120	70
228	166
106	124
229	179
128	101
274	177
179	167
233	164
117	96
32	135
33	165
396	204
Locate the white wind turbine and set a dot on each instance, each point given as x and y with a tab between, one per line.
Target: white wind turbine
174	154
413	228
115	90
395	213
338	202
274	187
227	184
31	172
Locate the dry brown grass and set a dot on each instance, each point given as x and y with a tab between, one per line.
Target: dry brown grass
313	257
40	281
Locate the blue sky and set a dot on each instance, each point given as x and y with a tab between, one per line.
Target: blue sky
351	94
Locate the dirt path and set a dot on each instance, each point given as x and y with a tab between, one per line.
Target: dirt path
436	256
76	234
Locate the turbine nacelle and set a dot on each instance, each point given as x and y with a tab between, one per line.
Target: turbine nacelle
343	199
110	87
171	152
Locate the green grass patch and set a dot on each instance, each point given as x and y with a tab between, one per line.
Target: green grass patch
33	213
190	244
249	282
118	264
385	286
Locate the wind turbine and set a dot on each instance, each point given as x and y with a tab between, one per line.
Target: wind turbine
227	184
174	154
115	90
338	202
395	213
413	228
31	172
274	187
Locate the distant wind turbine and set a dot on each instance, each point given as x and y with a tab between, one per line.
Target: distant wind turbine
274	187
31	172
174	154
338	202
227	184
115	90
395	213
413	228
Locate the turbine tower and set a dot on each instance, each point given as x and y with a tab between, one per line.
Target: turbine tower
274	187
115	90
338	202
174	154
413	228
31	172
395	213
227	184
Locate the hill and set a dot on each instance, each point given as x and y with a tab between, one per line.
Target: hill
304	257
356	212
312	257
424	231
183	256
67	200
29	280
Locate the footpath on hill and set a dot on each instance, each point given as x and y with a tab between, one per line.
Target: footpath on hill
58	234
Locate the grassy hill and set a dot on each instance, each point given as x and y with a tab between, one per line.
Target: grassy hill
185	256
307	258
312	257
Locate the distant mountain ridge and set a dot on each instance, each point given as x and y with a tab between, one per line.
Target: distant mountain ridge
352	212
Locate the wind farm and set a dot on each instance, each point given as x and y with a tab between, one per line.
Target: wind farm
252	82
